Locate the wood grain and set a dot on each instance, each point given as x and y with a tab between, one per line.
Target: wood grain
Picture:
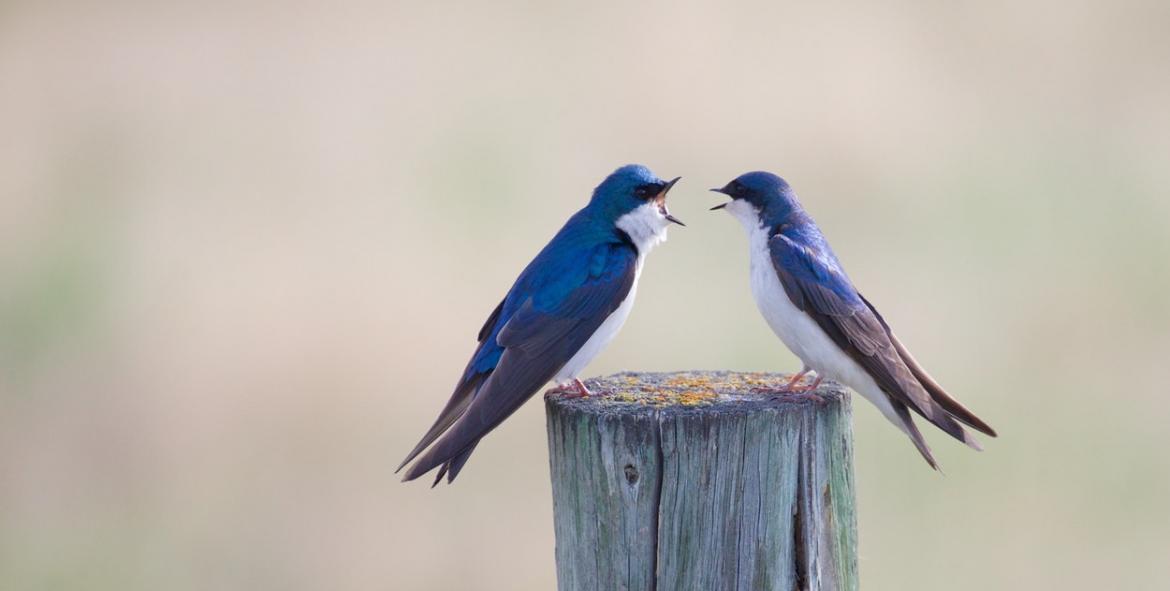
691	480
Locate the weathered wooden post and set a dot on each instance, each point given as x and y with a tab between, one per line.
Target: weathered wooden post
690	481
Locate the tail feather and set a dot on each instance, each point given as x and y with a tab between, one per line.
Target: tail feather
451	467
940	396
911	429
451	452
941	419
456	406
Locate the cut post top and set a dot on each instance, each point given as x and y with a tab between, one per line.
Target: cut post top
692	392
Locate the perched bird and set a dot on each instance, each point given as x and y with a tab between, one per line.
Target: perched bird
810	303
565	307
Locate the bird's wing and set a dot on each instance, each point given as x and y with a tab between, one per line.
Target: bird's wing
948	402
550	322
817	286
482	363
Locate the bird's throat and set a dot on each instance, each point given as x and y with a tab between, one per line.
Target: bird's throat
645	226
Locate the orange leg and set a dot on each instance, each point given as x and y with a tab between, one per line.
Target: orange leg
794	388
791	386
574	389
809	388
581	389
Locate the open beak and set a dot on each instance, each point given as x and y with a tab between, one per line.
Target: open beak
721	205
661	199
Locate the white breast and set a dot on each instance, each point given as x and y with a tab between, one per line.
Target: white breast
799	332
647	228
601	337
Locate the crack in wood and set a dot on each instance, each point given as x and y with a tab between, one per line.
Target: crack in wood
738	492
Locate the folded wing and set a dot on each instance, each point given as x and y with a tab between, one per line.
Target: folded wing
815	283
537	330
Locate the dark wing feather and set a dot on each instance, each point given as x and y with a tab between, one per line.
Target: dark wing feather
451	467
472	378
491	322
464	391
537	340
952	406
454	409
816	285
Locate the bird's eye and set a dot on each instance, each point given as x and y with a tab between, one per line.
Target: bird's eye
644	191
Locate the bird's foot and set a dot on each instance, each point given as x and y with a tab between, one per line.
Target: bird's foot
793	385
802	395
802	388
793	390
573	389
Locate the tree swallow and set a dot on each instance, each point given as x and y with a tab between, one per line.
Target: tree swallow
810	303
565	307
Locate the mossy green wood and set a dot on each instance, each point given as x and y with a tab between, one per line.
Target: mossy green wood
692	481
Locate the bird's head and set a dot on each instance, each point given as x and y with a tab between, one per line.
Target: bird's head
758	198
634	199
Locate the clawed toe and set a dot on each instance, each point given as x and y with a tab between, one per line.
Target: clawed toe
574	389
779	390
803	395
794	389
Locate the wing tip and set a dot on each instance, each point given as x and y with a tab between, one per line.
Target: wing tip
960	413
403	464
950	404
448	466
983	428
421	466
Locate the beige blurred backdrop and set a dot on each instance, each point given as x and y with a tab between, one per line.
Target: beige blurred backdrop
245	250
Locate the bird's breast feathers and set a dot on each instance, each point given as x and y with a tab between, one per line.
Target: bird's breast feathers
602	336
646	228
644	232
796	329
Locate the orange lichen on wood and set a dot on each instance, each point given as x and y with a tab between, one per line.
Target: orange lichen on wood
685	389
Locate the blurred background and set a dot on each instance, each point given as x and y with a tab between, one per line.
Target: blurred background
245	249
